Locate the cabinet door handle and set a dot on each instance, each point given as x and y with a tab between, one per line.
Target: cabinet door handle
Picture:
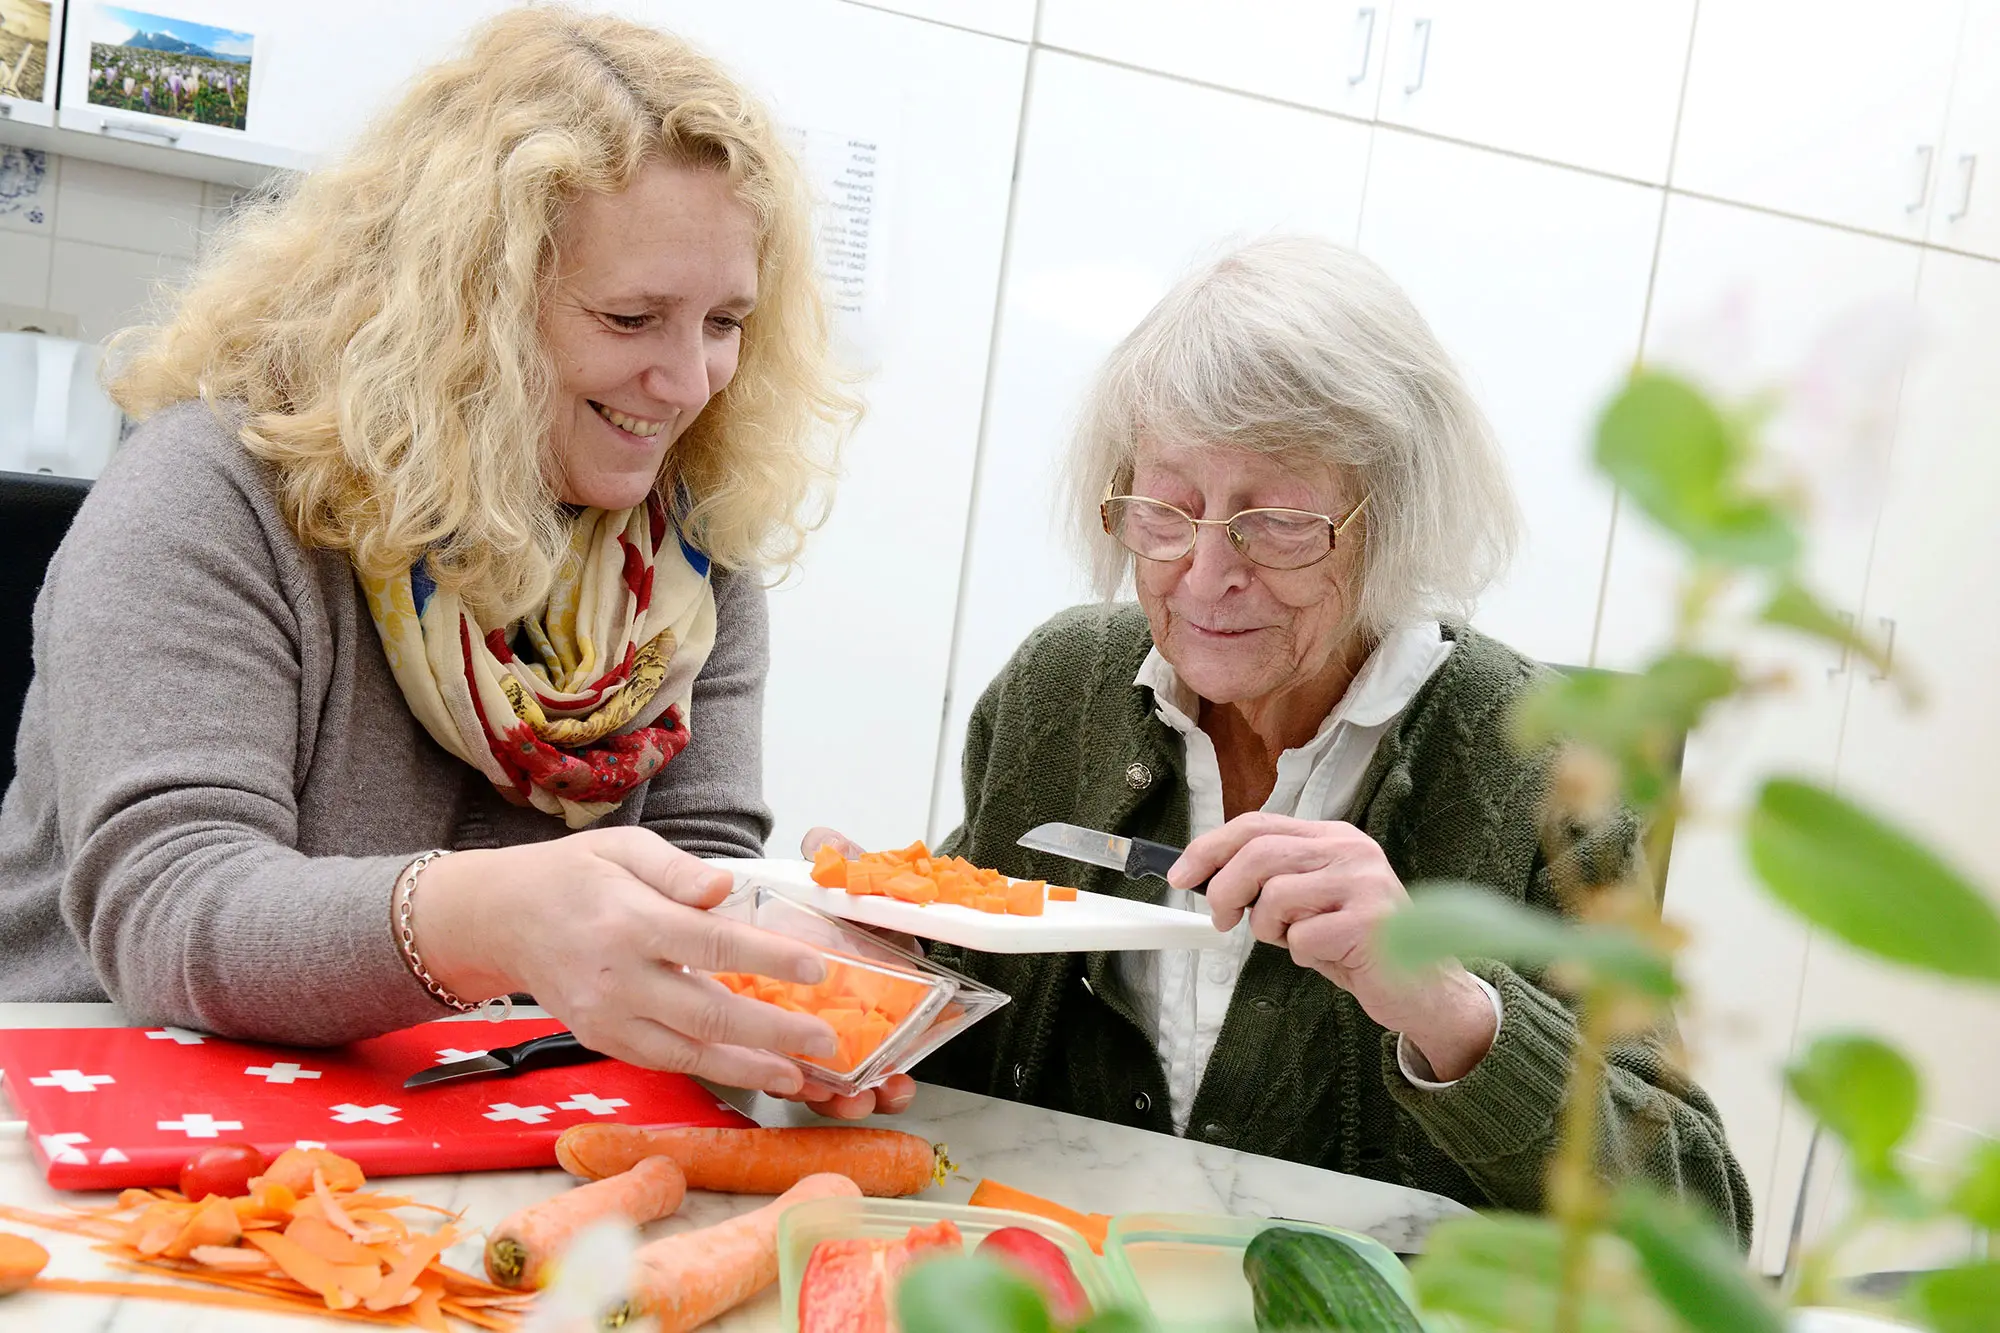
1364	41
143	133
1888	649
1926	156
1846	649
1967	164
1420	59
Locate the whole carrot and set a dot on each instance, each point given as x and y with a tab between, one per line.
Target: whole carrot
687	1279
883	1162
521	1249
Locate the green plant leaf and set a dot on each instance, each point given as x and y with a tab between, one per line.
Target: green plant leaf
1448	920
966	1294
1500	1271
1681	461
1694	1270
1977	1194
1863	1090
1794	607
1965	1299
1849	873
1639	719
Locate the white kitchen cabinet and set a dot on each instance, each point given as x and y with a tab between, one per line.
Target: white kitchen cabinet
1742	299
1326	55
1534	278
317	73
1965	214
1590	83
1127	180
1833	109
1930	767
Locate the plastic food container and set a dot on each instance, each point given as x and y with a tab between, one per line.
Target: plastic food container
806	1225
1188	1267
932	1003
1184	1269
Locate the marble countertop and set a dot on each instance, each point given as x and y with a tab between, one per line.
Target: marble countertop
1089	1165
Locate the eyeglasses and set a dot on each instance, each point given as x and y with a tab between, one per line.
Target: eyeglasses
1274	538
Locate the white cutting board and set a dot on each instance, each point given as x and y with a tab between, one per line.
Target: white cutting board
1093	922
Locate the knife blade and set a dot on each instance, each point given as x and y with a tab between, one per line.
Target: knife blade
1136	857
558	1048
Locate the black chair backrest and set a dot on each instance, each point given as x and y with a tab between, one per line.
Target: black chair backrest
35	512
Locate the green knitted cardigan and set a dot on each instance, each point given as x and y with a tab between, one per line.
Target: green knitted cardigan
1299	1071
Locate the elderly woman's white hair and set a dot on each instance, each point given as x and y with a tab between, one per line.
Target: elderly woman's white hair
1296	346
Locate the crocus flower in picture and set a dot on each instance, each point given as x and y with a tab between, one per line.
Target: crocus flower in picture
171	66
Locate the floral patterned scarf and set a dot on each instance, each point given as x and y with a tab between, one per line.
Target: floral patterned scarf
571	709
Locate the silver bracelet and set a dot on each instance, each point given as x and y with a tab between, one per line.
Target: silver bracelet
402	912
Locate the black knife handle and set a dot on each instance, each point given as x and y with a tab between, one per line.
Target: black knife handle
558	1048
1155	859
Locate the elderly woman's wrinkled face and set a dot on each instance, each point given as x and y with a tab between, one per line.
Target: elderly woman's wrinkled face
1236	632
645	321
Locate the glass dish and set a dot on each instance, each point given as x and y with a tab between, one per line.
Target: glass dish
1188	1267
804	1226
931	1003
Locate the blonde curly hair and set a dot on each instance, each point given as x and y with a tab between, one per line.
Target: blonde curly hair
376	327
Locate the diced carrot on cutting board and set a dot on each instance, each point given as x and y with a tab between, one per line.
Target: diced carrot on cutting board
1024	898
913	888
829	868
1060	894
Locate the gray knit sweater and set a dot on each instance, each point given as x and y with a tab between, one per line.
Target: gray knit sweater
218	781
1299	1071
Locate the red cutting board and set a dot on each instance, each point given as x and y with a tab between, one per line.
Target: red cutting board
109	1108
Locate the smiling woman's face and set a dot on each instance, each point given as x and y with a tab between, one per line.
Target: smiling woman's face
645	322
1236	632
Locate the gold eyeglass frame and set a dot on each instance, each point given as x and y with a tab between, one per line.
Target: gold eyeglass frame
1335	526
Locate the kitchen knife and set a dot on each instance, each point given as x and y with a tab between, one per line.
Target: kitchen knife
558	1048
1136	857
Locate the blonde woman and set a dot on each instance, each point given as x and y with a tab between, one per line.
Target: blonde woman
442	533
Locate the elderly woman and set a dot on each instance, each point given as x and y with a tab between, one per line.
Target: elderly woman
442	533
1285	462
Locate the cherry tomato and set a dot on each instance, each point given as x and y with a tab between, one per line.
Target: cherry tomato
222	1168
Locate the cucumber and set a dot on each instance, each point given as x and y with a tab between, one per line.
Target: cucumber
1305	1281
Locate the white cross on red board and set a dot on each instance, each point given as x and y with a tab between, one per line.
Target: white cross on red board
594	1104
63	1148
72	1080
527	1115
450	1053
178	1036
199	1125
281	1071
348	1113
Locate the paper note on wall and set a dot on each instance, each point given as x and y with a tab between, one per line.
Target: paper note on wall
850	178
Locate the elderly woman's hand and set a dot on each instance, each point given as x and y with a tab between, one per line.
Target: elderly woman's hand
1319	889
599	926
